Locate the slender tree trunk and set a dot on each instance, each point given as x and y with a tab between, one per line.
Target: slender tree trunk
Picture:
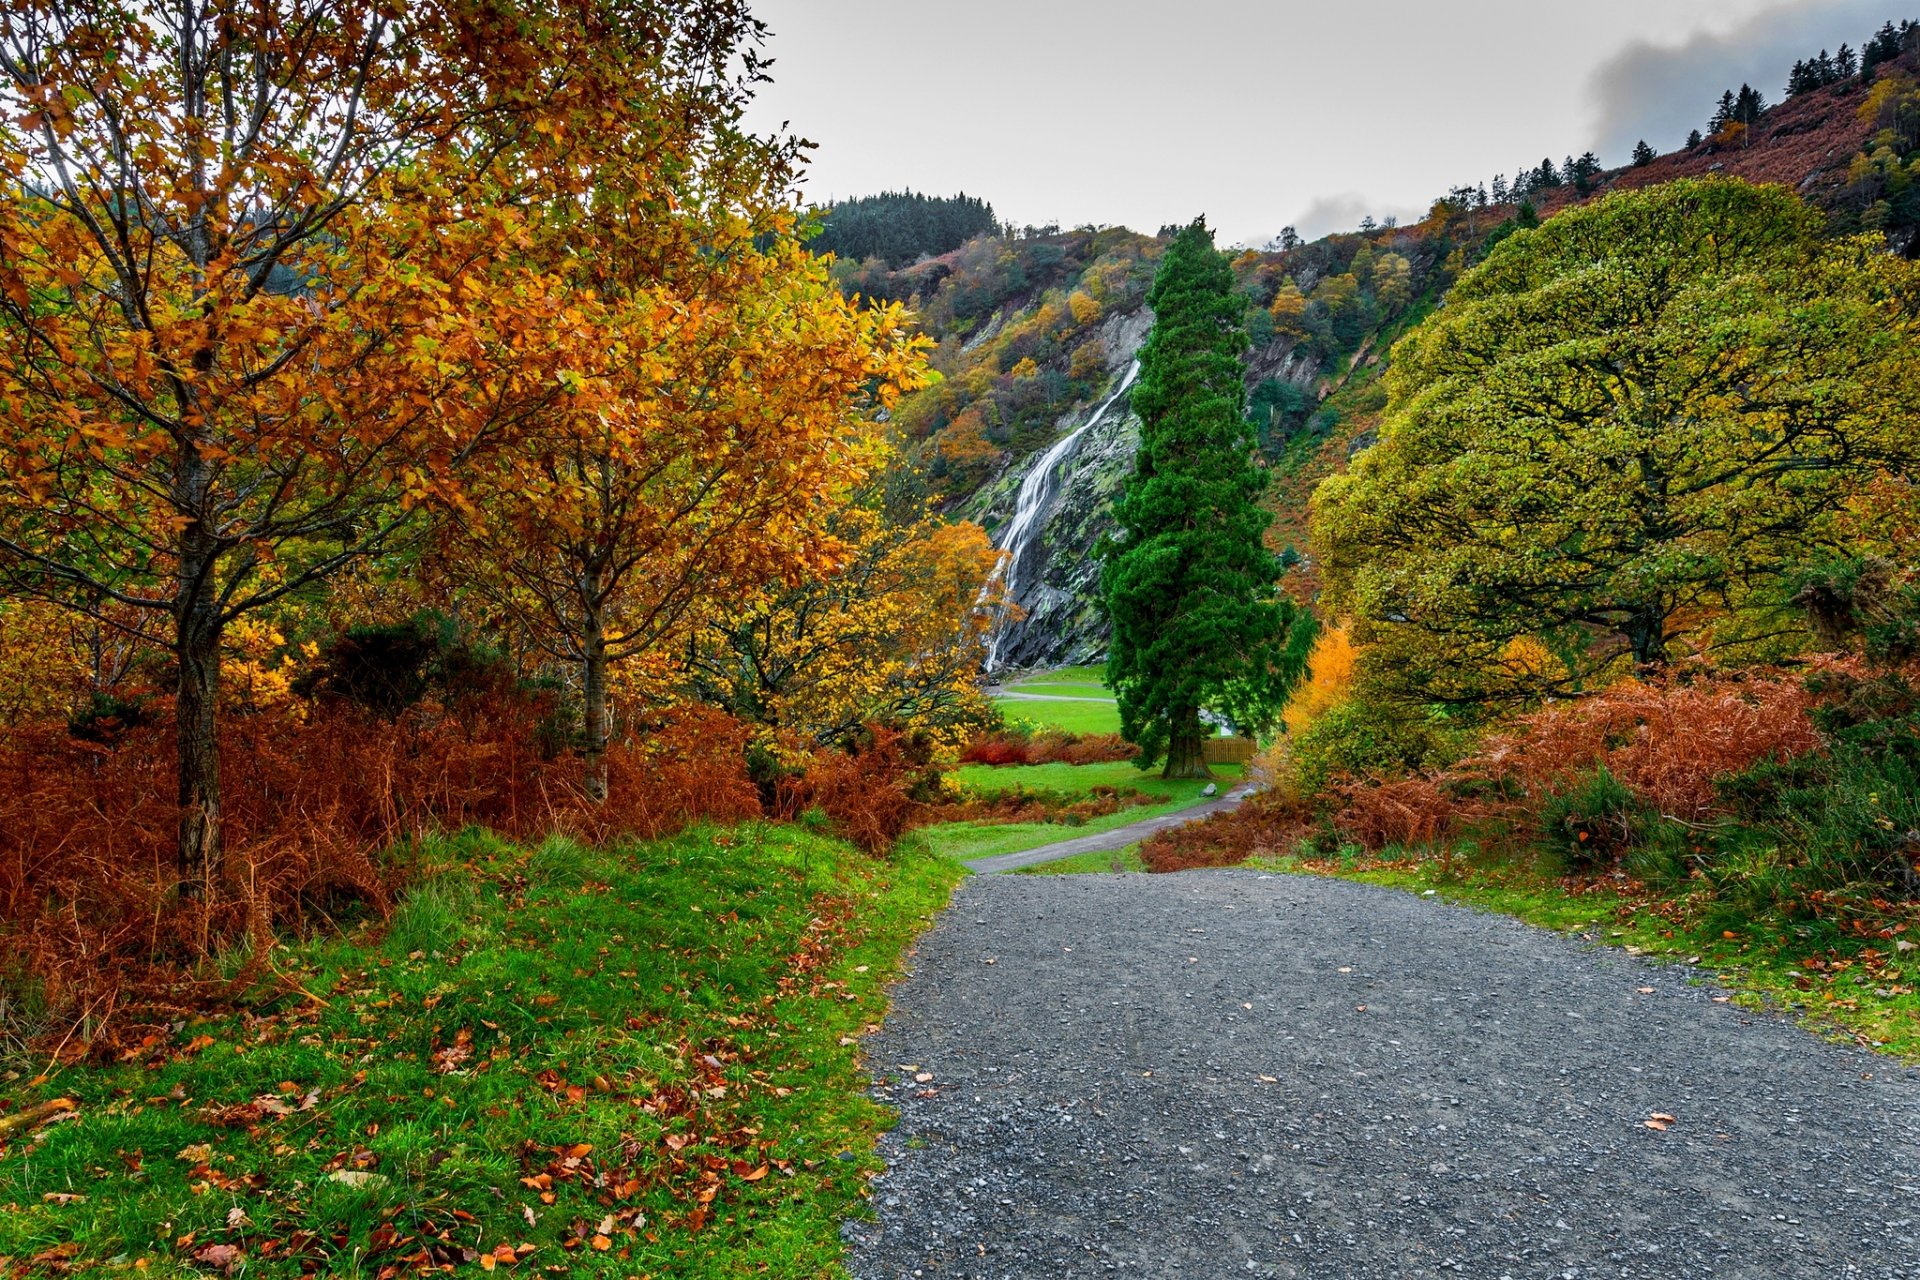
1186	746
594	690
196	701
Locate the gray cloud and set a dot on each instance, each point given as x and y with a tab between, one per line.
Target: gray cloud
1343	213
1660	91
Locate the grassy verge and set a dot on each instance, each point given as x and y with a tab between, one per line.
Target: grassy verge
1109	862
632	1062
962	841
1837	984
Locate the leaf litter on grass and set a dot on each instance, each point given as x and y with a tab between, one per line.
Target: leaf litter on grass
630	1062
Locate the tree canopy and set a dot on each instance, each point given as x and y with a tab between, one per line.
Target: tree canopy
1622	429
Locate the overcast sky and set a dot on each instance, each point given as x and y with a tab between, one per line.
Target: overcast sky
1258	113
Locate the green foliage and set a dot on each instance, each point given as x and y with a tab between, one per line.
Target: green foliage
1187	581
1848	818
649	1001
1367	737
1278	409
1593	821
1638	414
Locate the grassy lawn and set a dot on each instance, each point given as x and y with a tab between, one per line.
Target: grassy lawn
965	840
1869	994
1065	683
635	1062
1074	717
1093	678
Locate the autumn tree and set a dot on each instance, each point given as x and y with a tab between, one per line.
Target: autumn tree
1625	424
722	408
1187	581
237	256
895	635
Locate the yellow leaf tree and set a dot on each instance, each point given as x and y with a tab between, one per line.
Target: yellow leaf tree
895	635
723	403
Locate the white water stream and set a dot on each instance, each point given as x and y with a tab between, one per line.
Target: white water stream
1036	491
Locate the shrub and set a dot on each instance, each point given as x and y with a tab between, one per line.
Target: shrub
88	912
1361	739
1263	824
1592	821
1666	741
1049	746
868	789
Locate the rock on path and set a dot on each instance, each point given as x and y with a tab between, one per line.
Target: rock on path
1229	1074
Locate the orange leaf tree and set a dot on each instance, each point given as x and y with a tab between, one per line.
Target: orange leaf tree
251	307
723	403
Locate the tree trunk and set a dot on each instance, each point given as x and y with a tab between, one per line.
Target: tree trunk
1186	746
196	702
1647	632
593	750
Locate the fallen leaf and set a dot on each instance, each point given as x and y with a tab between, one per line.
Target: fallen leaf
224	1256
36	1115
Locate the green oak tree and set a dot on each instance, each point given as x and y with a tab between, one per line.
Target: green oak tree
1624	428
1187	580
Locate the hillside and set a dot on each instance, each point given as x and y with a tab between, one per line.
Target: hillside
1036	330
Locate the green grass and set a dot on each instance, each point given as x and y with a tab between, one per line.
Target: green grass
1871	1000
665	1031
1074	717
1107	862
963	841
1090	677
1064	683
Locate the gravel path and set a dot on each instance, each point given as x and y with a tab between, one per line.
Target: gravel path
1101	841
1228	1074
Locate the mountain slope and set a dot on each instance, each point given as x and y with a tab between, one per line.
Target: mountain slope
1036	330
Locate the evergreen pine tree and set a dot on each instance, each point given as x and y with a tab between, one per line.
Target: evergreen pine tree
1187	580
1846	63
1722	113
1643	154
1694	139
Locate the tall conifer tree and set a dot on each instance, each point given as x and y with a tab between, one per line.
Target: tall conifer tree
1188	580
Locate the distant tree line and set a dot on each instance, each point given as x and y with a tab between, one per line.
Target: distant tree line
1822	70
901	227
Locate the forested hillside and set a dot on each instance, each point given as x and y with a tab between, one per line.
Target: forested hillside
1035	328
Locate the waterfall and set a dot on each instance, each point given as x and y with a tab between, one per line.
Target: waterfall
1036	491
